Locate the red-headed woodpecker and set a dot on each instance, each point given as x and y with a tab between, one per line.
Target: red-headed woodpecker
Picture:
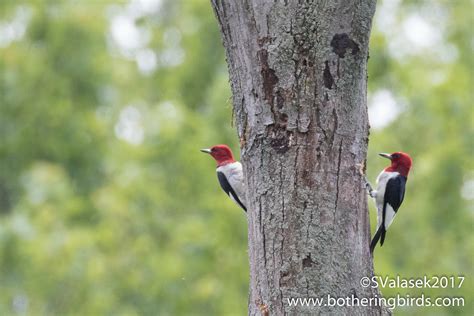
390	192
229	173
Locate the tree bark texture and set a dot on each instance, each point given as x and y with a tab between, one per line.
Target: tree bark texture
298	71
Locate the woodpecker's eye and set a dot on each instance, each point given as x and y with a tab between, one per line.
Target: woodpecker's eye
396	156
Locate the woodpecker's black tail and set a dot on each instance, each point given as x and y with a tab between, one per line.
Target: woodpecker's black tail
380	233
382	238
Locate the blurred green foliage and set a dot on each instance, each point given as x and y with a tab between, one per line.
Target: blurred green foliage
108	208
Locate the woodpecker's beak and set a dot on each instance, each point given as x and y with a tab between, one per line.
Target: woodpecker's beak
388	156
206	150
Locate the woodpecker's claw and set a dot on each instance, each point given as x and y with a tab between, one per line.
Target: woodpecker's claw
361	167
367	184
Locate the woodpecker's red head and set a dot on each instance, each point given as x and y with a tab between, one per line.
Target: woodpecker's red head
401	163
221	153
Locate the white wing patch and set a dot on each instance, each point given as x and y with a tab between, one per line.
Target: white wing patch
389	216
382	180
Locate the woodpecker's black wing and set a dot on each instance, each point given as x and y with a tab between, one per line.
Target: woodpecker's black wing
229	190
393	198
395	192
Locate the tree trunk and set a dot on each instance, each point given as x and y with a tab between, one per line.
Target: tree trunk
298	71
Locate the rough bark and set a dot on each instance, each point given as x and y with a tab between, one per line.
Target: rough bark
298	71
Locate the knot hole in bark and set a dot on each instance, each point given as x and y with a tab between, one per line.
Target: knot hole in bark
327	77
308	262
341	42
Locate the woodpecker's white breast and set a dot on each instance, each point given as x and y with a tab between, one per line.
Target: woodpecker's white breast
382	180
234	174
